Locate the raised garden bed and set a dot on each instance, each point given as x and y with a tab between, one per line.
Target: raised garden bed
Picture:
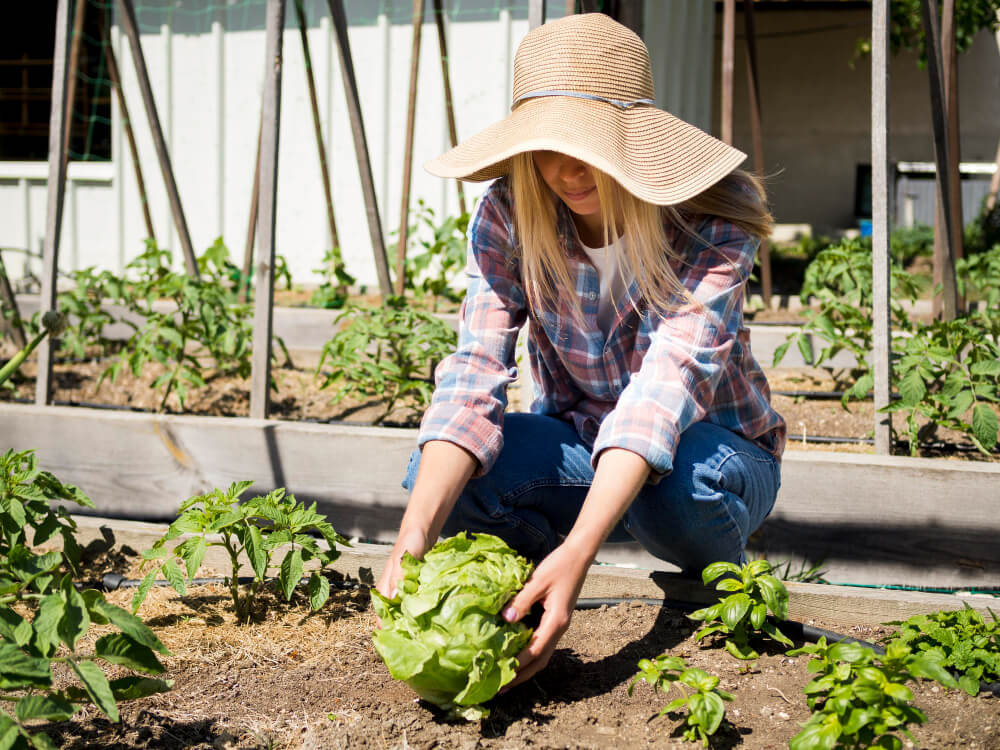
312	680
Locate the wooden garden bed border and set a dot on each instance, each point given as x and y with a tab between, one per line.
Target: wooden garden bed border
806	601
869	519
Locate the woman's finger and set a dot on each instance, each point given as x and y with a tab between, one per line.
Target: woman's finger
522	602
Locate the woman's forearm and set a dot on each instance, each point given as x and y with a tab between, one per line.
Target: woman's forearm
619	476
444	471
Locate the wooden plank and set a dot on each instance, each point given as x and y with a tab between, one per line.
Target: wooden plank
300	13
56	188
116	83
876	520
756	129
360	144
728	47
881	287
536	13
411	114
830	604
944	259
263	309
130	27
449	108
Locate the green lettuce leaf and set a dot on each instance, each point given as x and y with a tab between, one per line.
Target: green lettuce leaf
442	633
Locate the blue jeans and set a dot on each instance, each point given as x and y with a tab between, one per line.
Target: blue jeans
721	489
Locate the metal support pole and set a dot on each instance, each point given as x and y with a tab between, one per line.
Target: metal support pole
300	13
753	84
728	47
56	193
944	261
360	144
116	84
131	28
263	311
449	107
411	114
881	331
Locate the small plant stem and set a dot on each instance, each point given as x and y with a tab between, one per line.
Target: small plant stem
18	359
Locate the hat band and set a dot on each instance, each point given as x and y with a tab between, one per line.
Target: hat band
580	95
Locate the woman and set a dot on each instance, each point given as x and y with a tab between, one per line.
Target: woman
624	238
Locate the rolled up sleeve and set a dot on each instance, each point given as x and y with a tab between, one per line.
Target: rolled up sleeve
471	384
688	351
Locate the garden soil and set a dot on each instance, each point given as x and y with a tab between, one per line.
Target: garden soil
300	679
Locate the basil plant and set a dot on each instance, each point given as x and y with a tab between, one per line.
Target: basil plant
442	633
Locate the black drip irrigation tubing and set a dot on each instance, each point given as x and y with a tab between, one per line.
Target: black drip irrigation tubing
795	630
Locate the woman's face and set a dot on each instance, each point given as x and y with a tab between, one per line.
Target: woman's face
571	180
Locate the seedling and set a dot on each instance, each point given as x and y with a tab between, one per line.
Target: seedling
962	641
743	614
858	702
705	707
387	353
53	323
256	529
333	292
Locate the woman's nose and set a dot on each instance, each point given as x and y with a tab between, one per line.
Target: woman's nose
570	168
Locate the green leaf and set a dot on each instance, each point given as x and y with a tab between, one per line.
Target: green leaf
319	590
253	545
912	388
130	625
291	572
118	648
143	590
734	608
741	651
50	708
46	622
194	553
775	595
174	576
984	425
806	349
97	687
20	668
134	687
717	569
75	619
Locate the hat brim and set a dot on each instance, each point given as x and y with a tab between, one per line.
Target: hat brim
657	157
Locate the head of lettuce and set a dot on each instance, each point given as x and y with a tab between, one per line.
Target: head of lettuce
442	633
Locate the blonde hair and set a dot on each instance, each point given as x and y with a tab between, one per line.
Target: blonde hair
648	254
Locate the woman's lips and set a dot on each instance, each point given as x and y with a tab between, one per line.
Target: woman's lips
580	195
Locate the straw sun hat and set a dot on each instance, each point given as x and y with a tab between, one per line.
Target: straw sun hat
583	87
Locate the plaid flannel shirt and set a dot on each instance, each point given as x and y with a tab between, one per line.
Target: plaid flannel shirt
638	388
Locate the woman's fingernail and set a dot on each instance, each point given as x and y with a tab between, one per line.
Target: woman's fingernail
509	614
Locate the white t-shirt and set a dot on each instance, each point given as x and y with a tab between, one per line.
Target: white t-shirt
613	286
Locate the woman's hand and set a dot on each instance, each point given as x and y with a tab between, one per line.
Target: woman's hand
556	583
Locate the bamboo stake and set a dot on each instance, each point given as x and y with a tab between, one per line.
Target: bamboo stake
300	12
79	12
728	46
536	13
14	325
950	80
881	331
56	188
116	84
360	144
449	107
131	29
411	114
753	85
945	304
252	220
260	375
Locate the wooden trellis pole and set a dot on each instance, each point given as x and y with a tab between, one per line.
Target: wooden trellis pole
728	47
79	12
753	84
411	114
881	331
116	83
56	187
949	80
131	29
536	13
252	220
449	107
360	143
300	13
7	300
944	266
260	375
